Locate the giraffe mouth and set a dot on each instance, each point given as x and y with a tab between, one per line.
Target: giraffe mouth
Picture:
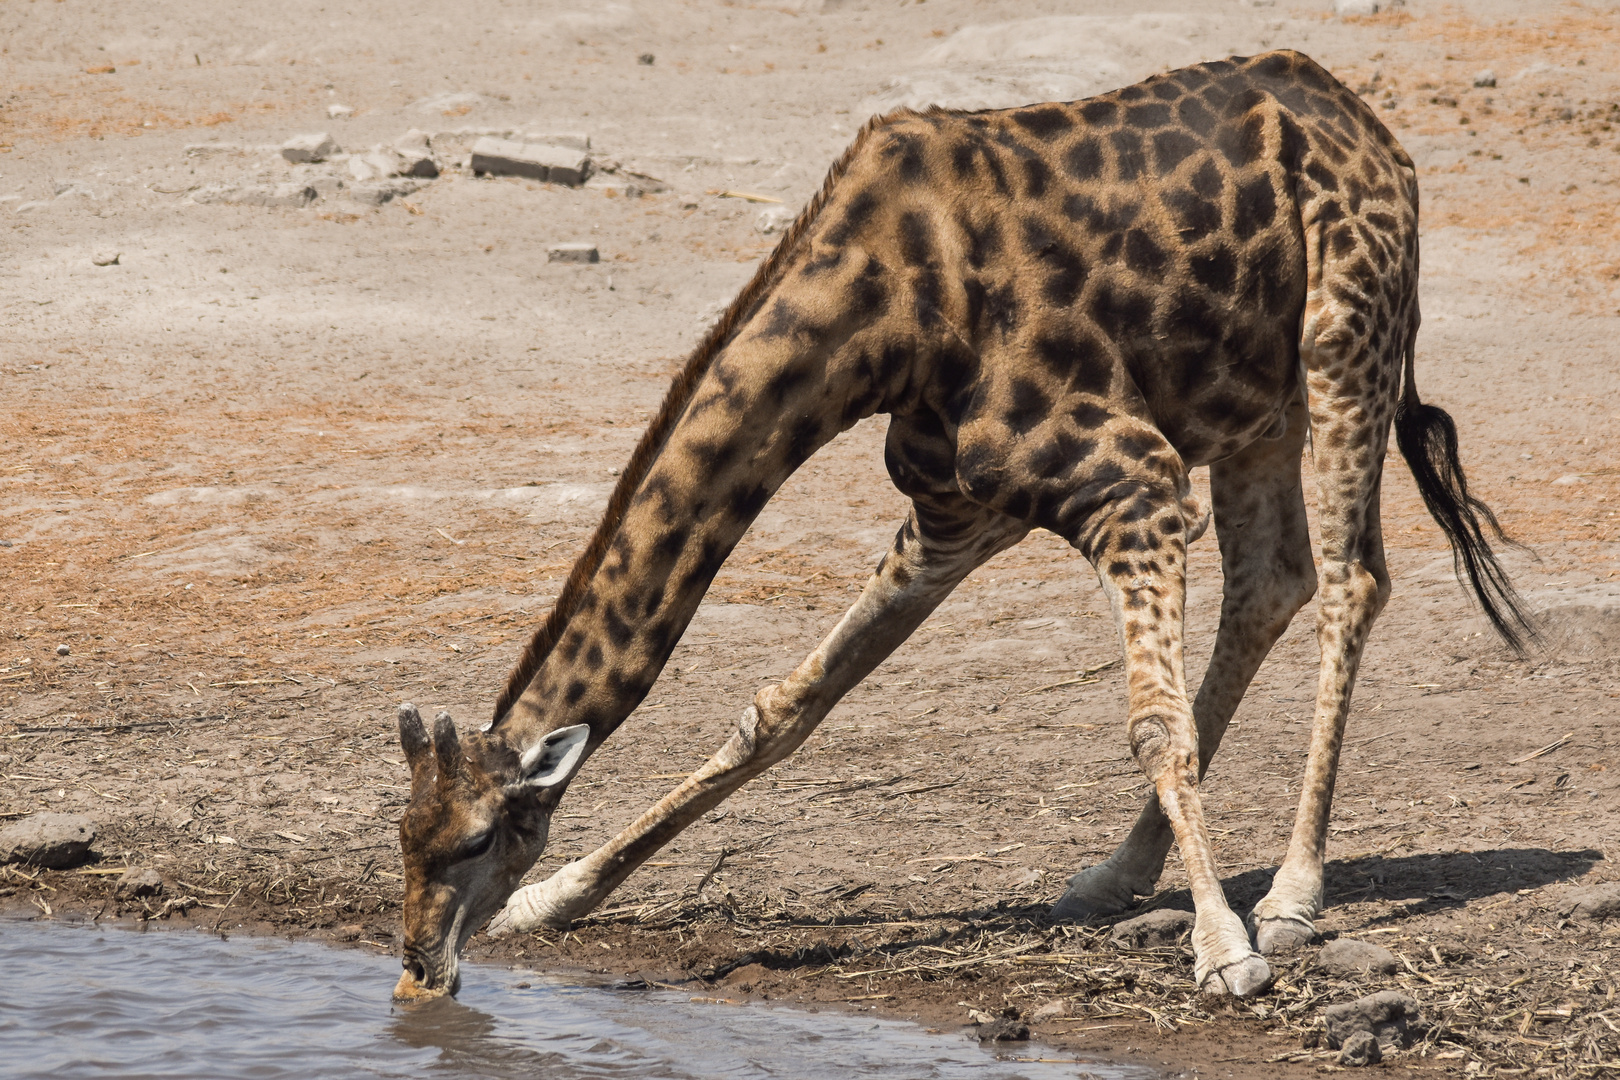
422	980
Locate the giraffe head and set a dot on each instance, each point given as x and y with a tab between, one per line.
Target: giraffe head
476	822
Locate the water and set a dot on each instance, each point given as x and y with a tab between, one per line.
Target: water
89	1002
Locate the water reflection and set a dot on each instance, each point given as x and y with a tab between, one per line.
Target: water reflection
81	1002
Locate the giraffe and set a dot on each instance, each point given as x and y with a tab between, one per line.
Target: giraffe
1062	308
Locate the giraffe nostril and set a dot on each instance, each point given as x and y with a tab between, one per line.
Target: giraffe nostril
417	971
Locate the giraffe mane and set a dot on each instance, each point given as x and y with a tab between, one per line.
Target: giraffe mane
663	422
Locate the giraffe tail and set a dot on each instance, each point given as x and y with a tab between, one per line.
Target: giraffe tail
1427	437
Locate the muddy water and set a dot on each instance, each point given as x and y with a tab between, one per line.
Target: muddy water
87	1002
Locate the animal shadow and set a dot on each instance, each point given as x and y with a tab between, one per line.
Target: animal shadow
1431	882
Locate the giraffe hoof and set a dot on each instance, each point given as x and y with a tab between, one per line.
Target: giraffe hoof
1280	935
1096	892
1248	977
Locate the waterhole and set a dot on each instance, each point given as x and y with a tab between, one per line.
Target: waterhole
95	1002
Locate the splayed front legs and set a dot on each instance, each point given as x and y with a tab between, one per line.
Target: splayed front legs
942	541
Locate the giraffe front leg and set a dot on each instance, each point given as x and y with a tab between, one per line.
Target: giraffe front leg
941	542
1140	553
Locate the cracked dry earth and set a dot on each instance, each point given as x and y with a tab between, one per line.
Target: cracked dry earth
276	471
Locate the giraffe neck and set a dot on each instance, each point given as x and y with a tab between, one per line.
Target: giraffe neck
756	416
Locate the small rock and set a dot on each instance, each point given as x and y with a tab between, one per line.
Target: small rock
774	219
325	184
646	58
1569	480
54	841
301	149
377	192
373	166
1347	957
554	164
1052	1010
1593	902
335	111
1003	1030
106	258
1355	7
1361	1049
415	158
1485	78
573	253
63	650
137	883
1392	1017
1155	930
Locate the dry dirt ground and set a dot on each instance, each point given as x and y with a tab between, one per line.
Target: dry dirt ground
277	470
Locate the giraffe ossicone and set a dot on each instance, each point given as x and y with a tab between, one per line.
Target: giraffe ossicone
1063	309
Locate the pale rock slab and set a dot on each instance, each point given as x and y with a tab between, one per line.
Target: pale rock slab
306	149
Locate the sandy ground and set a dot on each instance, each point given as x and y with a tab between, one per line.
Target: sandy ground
277	470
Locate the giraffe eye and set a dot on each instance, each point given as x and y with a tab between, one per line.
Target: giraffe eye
477	845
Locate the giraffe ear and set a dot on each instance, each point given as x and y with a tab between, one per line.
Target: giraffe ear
554	758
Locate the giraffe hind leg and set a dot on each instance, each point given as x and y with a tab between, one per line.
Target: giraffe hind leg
1138	546
1351	384
942	541
1268	574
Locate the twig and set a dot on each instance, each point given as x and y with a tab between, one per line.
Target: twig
1549	748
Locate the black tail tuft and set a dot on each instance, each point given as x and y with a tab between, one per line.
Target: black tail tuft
1428	440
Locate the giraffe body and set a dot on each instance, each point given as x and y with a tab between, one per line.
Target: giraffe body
1064	308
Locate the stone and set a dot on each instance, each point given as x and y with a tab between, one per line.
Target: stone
573	253
1155	930
135	883
372	166
1347	957
1355	7
1003	1030
415	156
105	258
303	149
335	111
325	184
1593	902
1052	1010
377	192
553	164
63	650
54	841
1392	1017
1361	1049
774	219
1486	78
